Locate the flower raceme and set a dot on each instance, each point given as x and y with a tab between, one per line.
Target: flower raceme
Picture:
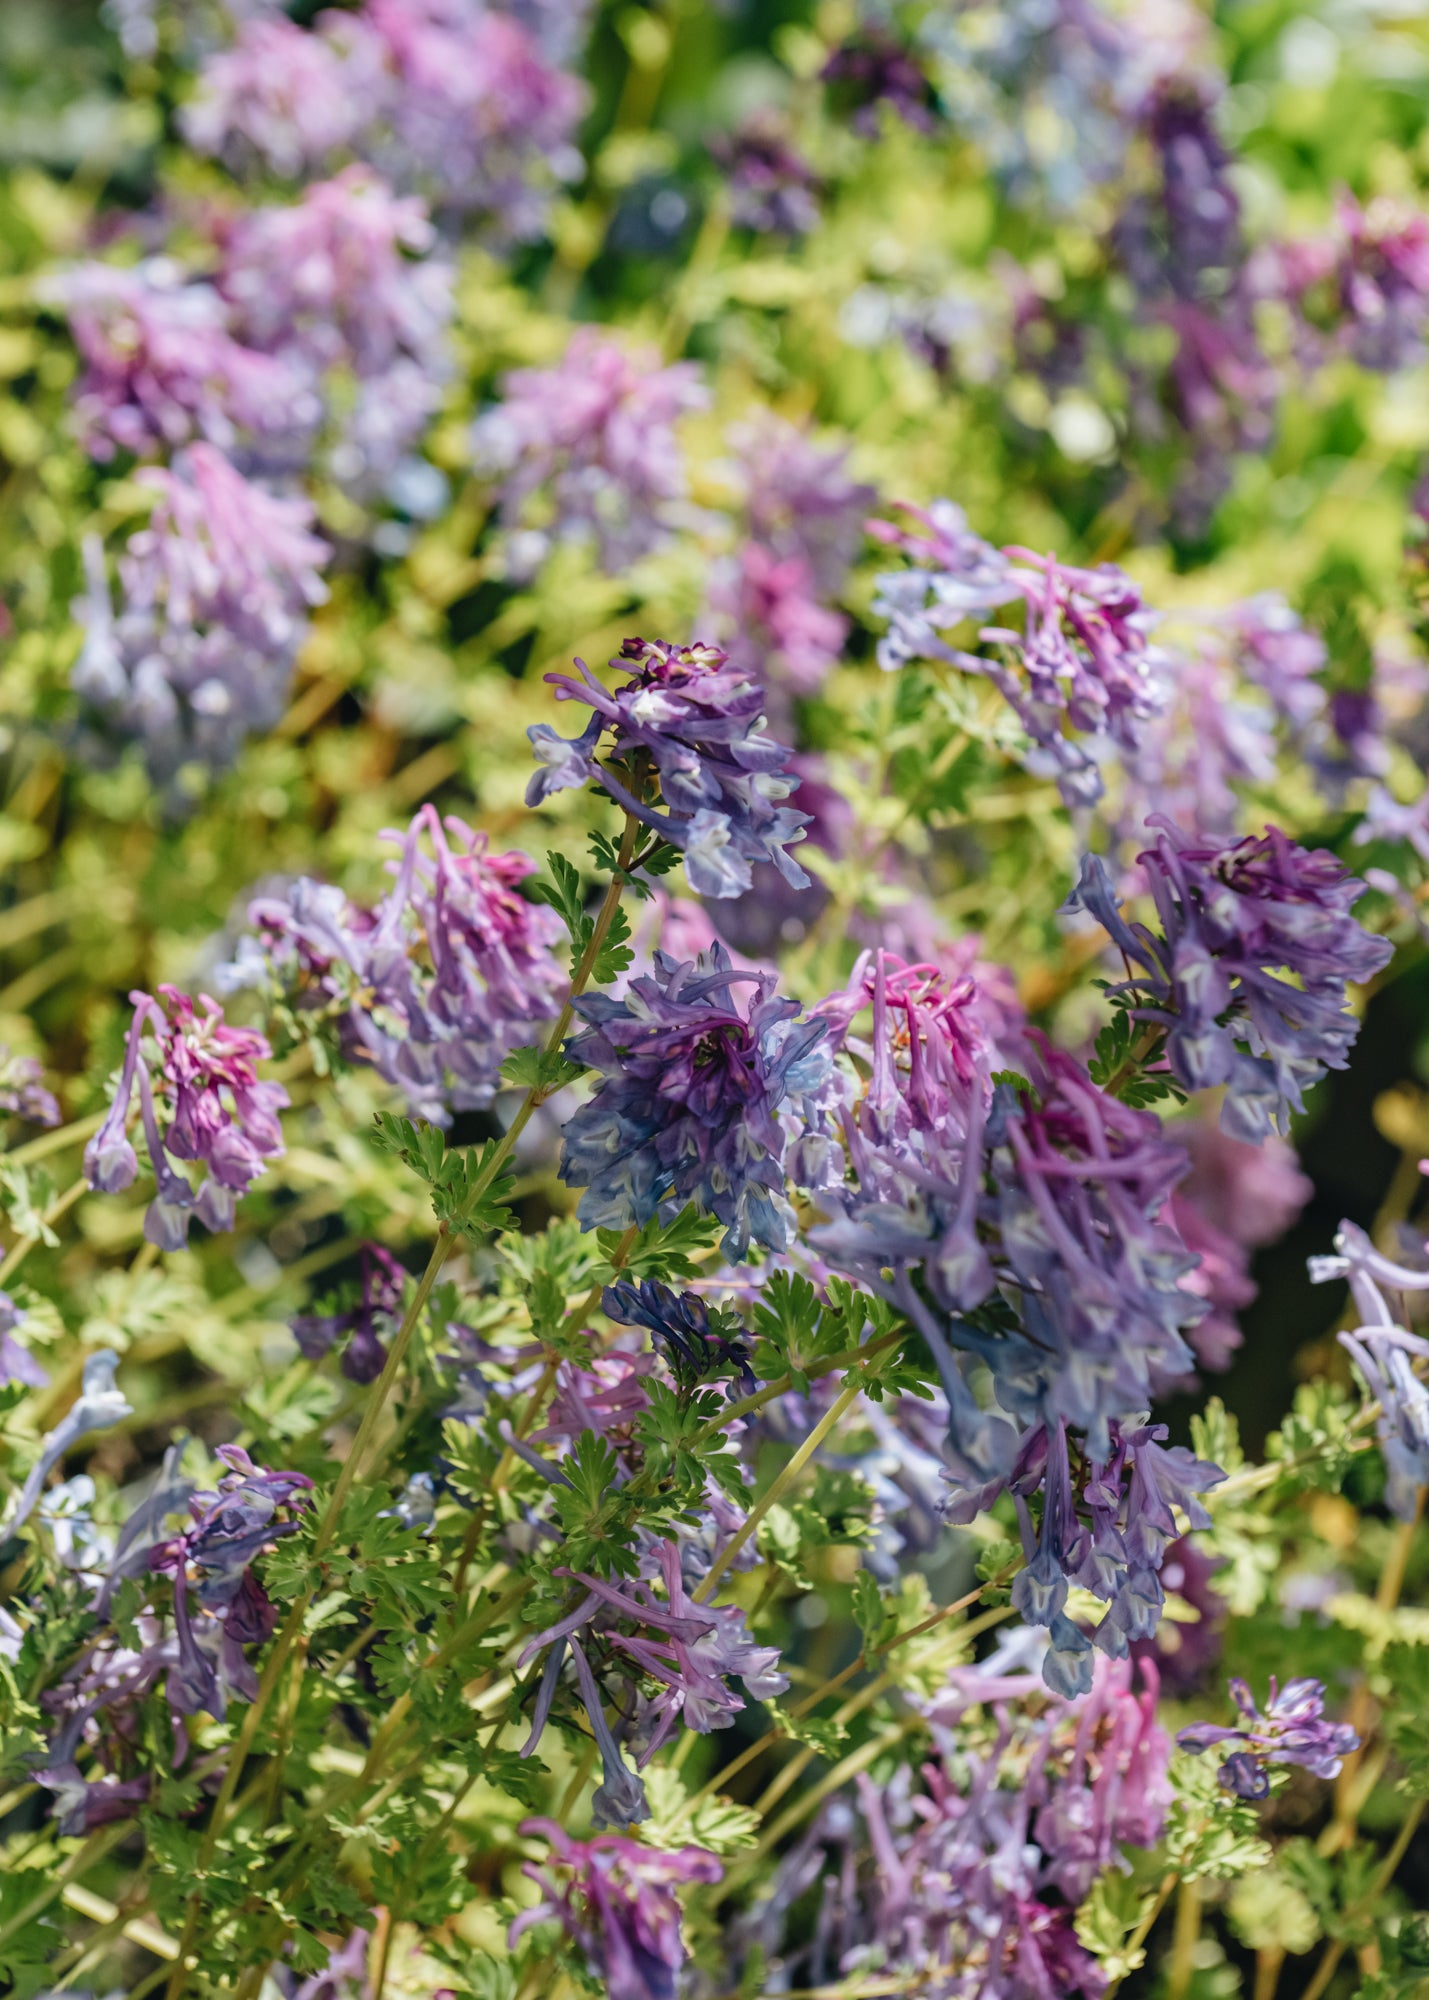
1232	919
1292	1729
1080	674
616	1902
200	1101
435	985
692	723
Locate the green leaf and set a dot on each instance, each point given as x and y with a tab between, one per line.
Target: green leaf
666	1251
1113	1908
539	1069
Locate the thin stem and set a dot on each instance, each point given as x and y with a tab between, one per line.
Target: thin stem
833	1416
1144	1928
55	1141
1384	1875
93	1850
18	1252
1184	1940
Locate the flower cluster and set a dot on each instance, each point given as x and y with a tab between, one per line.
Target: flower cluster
200	1101
773	189
615	1901
447	98
1082	666
216	592
1232	919
23	1093
1292	1729
688	1103
692	722
434	987
593	443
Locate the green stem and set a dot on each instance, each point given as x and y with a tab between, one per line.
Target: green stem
93	1850
834	1415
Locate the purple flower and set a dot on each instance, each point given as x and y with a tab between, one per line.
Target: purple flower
1385	1355
1080	666
871	68
17	1364
80	1804
594	438
98	1407
688	1104
22	1090
1383	279
447	98
616	1902
216	592
1292	1730
342	278
696	1343
1233	918
437	985
162	368
692	720
203	1077
378	1310
773	189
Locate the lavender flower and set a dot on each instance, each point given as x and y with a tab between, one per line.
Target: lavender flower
203	1077
434	987
1382	274
98	1407
593	439
690	719
688	1102
1231	919
282	98
616	1902
1385	1355
1292	1730
17	1364
1080	666
22	1090
342	278
216	591
377	1311
82	1804
161	366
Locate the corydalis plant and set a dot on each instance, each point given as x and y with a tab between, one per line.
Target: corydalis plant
201	1101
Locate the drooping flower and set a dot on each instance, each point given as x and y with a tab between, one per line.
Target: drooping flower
593	442
1291	1730
435	986
161	367
692	721
688	1102
216	591
616	1902
1232	919
361	1327
202	1080
1080	674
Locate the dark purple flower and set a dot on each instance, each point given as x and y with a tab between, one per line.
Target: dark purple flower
596	436
616	1902
691	720
1232	919
871	68
377	1312
1080	666
1292	1730
218	1114
82	1804
689	1102
696	1343
773	189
